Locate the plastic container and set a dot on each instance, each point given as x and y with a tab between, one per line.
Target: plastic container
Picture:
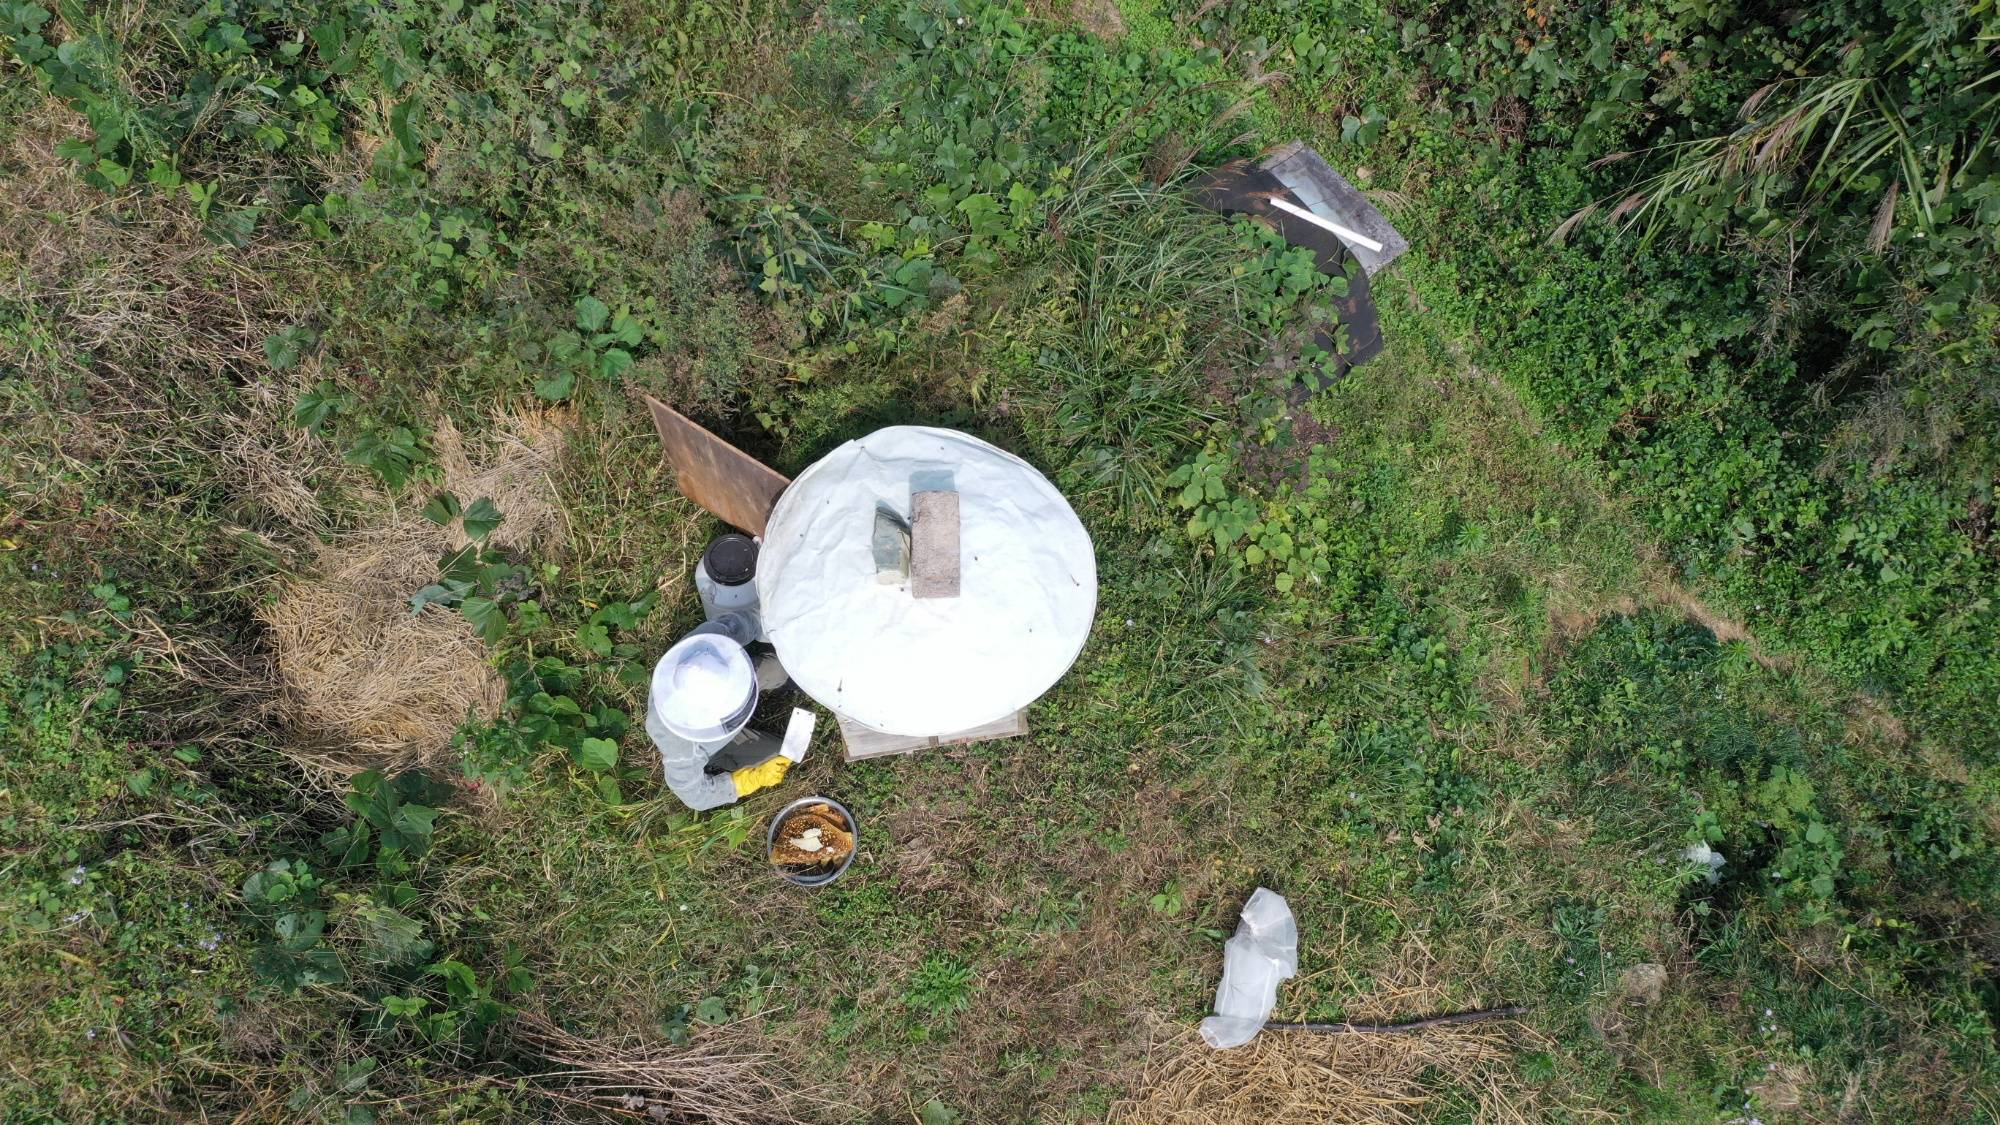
815	879
726	581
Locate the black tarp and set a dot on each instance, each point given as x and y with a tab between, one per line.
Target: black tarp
1243	188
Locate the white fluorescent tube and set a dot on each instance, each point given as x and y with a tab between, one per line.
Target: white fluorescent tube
1355	237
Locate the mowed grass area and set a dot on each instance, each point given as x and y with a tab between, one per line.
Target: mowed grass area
1440	678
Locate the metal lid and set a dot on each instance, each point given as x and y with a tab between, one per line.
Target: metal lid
731	560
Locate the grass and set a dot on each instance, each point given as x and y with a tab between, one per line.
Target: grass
1462	708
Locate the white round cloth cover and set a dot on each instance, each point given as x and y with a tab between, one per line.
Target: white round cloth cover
926	666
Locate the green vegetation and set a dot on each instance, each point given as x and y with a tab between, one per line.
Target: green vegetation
1662	531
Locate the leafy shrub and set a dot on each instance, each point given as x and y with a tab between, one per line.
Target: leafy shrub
258	94
1721	753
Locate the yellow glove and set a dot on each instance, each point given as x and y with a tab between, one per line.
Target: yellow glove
763	775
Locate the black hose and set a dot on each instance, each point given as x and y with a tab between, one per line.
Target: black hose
1507	1012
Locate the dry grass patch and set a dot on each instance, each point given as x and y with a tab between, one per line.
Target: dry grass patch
285	471
719	1080
130	330
130	281
515	468
1331	1079
364	682
1324	1079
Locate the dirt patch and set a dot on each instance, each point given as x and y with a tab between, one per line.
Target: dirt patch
1638	988
1867	720
1642	983
1571	624
364	683
1666	592
1099	17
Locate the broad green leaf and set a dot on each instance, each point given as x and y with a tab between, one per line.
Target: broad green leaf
409	830
447	593
626	330
406	137
282	349
487	618
613	363
390	453
352	1078
459	979
591	313
597	754
348	845
418	787
318	404
481	518
405	1007
557	387
393	937
544	703
300	929
566	346
442	509
292	969
624	615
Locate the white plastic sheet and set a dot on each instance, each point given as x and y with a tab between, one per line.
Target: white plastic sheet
1263	952
932	666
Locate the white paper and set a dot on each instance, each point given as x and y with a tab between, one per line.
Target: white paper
798	735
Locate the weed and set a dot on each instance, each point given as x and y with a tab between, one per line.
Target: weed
941	987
